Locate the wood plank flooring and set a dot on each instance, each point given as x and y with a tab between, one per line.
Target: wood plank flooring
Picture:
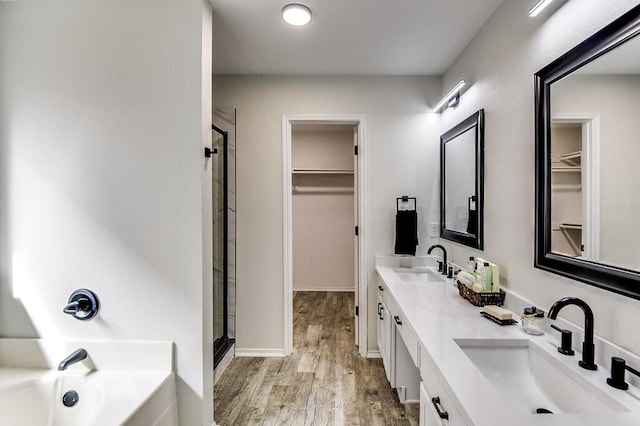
324	382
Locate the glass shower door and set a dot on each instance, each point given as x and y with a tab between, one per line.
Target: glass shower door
223	175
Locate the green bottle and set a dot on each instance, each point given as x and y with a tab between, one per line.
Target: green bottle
485	277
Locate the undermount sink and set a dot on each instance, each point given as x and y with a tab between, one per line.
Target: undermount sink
529	378
418	274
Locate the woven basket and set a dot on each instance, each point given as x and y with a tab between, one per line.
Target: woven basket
481	299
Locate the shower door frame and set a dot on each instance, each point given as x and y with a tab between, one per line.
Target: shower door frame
222	344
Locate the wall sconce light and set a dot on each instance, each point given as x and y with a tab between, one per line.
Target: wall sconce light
538	7
452	98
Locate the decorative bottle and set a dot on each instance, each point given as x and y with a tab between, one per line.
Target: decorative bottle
471	266
485	277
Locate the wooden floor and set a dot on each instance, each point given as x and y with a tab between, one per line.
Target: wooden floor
324	382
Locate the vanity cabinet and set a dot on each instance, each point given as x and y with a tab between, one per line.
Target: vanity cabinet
437	406
398	347
428	414
384	336
403	369
407	335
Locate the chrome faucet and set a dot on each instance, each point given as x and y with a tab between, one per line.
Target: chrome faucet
75	357
588	349
444	256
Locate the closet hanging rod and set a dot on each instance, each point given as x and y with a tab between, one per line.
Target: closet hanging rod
297	189
301	170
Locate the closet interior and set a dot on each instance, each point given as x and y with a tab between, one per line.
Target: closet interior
567	189
323	206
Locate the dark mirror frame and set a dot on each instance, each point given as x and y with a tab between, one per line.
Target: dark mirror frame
618	280
472	240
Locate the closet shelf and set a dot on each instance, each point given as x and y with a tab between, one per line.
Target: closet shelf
570	226
564	227
566	187
570	156
308	171
566	169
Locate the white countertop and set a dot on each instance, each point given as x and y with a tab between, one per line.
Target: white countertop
438	315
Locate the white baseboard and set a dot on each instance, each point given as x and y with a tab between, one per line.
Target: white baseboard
223	364
315	288
373	354
259	353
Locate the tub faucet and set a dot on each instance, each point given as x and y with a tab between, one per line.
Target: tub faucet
444	256
76	356
588	349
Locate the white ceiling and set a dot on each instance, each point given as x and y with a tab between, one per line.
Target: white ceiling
357	37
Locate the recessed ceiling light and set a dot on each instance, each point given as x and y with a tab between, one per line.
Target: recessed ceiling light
296	14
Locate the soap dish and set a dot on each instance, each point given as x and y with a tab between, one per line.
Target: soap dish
497	320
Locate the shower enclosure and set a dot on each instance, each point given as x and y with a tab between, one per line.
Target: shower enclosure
223	157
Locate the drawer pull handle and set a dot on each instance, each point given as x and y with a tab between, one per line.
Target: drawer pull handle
379	306
382	313
441	412
397	320
380	288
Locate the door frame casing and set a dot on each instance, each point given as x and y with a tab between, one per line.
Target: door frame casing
359	121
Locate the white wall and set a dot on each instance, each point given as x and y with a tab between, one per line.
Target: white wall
500	63
105	106
205	312
322	146
402	154
323	242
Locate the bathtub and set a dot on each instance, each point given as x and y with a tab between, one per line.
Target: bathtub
119	384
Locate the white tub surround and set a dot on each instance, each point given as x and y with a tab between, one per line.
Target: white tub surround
443	324
119	383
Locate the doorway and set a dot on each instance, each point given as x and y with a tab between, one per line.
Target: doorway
575	185
323	209
324	176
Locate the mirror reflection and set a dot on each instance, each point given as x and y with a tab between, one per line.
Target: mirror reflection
461	181
594	150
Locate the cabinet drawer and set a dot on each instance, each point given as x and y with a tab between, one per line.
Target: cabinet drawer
409	337
383	292
439	397
429	415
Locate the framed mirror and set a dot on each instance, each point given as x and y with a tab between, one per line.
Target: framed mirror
587	134
461	182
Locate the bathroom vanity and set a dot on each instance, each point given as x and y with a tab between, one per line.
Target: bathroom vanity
466	370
